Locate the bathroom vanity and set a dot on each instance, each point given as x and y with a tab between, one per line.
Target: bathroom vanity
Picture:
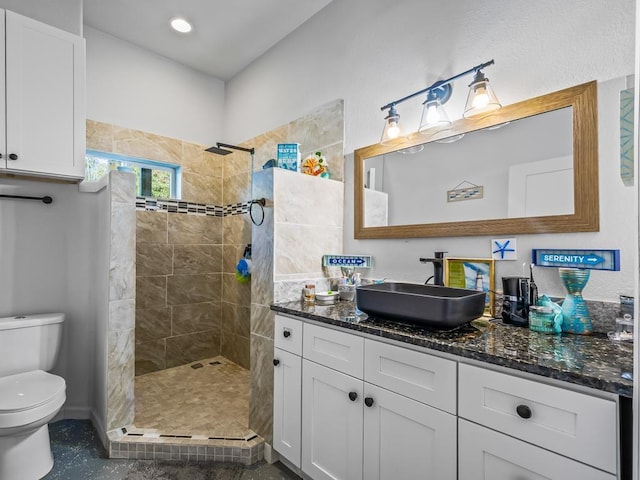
361	398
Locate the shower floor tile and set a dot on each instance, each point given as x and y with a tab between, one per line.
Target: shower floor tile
212	400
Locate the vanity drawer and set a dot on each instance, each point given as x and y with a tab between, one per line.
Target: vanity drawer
573	424
288	334
420	376
334	349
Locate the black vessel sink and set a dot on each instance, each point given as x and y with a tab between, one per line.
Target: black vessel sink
430	305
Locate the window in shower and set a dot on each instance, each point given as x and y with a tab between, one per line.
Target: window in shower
153	179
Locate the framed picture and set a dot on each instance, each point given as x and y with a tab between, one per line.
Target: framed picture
473	274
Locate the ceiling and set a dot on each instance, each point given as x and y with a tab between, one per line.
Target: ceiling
227	34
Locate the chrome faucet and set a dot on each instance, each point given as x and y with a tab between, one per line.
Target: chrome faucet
438	267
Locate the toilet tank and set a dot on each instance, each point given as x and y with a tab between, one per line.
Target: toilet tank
29	342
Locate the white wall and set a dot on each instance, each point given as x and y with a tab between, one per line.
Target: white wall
47	263
371	52
132	87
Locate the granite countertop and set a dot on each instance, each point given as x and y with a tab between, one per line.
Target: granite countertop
589	360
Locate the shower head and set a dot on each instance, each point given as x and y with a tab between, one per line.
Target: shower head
221	149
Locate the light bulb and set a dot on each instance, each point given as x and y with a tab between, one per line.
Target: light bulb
394	129
432	114
481	99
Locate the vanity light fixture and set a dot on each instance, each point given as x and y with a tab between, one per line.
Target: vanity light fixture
481	100
391	129
180	24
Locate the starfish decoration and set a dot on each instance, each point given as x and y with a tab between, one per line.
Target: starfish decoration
503	248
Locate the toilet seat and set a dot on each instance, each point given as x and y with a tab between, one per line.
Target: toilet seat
29	397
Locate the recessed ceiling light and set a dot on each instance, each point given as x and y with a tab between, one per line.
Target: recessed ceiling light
181	25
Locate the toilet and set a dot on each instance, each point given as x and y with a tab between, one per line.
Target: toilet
29	396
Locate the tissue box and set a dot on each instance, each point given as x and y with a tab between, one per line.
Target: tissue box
289	156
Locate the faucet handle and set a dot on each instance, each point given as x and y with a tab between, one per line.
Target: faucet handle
439	254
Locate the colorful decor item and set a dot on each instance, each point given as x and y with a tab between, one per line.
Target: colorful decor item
315	165
575	314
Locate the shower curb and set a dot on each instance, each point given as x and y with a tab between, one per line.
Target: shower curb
132	443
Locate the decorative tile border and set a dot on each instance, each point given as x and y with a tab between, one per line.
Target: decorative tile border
190	208
151	445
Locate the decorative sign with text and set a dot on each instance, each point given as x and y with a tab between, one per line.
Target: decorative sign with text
592	259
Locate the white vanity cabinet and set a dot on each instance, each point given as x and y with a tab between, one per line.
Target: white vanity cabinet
364	414
371	410
42	118
532	430
287	388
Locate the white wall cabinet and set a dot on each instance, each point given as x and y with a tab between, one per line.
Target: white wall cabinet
43	99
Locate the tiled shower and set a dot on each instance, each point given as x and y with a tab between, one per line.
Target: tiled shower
188	304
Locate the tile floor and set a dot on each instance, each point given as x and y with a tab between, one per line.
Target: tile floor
187	413
216	397
78	455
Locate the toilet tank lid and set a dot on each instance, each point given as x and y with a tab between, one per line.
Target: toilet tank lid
24	321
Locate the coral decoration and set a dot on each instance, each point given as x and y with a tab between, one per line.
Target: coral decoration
315	165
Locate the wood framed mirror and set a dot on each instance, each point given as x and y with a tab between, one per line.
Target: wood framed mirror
530	167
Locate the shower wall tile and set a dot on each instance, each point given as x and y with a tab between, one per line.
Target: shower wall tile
237	188
139	144
261	398
266	145
122	267
326	199
196	317
193	259
237	229
325	126
236	162
151	227
200	188
300	248
122	187
189	348
183	289
236	319
193	229
150	357
154	259
234	291
122	314
121	368
151	292
236	348
231	254
99	136
262	320
152	323
196	161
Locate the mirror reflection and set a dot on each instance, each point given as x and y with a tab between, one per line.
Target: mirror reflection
522	169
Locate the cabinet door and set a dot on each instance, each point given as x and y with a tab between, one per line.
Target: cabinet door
489	455
3	144
44	99
331	424
287	403
405	439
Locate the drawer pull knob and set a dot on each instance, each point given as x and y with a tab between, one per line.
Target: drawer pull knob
368	401
286	334
353	396
13	156
276	362
523	411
